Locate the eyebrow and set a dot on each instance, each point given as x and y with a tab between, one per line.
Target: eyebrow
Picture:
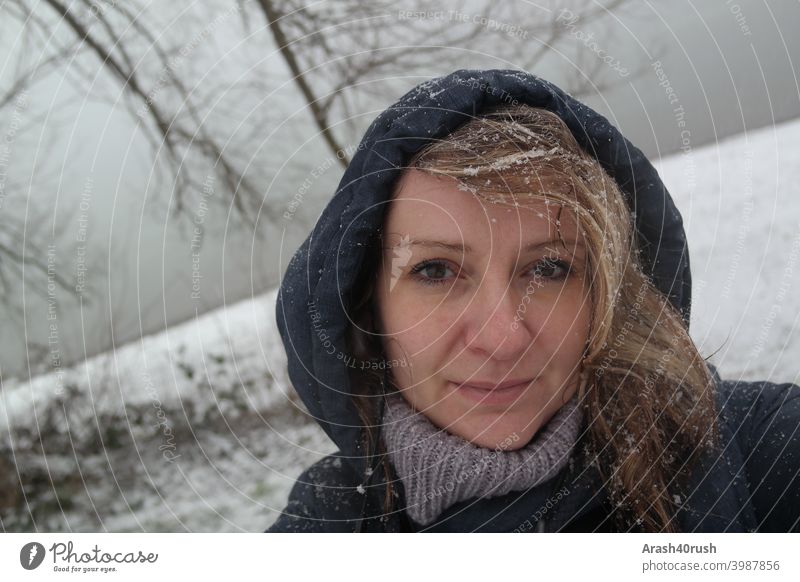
458	247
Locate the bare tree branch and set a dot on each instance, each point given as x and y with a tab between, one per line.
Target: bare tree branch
284	46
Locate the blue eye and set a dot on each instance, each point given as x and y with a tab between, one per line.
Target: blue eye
432	278
434	272
548	268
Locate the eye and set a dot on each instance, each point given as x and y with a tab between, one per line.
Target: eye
431	272
548	268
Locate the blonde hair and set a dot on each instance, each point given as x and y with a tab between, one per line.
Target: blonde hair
646	391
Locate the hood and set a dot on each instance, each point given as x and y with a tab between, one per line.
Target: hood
318	283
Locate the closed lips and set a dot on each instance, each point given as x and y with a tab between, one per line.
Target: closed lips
490	386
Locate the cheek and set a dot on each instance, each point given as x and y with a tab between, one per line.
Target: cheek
570	327
416	334
417	342
415	322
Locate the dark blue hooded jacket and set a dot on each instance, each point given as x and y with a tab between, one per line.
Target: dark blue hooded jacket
751	485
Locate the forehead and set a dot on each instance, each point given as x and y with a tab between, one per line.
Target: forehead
427	206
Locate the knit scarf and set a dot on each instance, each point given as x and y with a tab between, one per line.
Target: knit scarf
439	469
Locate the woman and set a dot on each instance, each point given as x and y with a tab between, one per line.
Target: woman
490	320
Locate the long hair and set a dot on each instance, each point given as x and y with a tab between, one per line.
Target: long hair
646	392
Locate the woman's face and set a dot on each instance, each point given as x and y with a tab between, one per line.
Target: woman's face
489	311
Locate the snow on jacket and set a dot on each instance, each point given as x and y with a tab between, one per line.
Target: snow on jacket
753	484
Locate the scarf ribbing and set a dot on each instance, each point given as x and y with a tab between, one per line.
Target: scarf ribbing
439	469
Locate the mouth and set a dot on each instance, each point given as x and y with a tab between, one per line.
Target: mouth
504	393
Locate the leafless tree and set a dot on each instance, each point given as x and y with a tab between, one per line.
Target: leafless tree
115	53
120	41
340	52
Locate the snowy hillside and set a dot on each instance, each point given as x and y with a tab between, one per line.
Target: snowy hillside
197	428
193	429
740	202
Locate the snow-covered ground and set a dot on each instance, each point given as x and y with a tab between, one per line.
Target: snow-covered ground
194	429
197	428
740	202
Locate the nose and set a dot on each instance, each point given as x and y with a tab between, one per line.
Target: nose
498	322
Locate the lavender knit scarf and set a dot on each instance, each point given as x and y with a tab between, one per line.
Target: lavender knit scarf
439	469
